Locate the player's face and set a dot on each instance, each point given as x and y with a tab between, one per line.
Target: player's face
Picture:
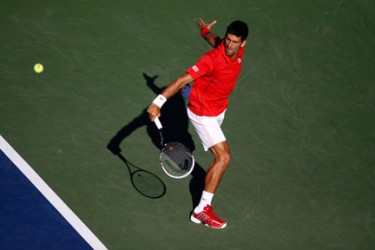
233	44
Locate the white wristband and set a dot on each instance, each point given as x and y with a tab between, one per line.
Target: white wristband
159	101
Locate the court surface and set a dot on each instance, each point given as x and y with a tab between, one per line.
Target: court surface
301	121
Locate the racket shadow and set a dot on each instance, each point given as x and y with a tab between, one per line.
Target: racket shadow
144	182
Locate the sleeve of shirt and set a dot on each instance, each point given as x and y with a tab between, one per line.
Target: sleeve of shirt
204	66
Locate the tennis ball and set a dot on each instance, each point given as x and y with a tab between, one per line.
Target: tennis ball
38	68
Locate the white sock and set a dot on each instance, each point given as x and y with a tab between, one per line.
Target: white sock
206	199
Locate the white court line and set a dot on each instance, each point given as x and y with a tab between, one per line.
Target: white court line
51	196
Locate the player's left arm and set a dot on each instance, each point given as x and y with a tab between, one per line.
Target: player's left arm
211	38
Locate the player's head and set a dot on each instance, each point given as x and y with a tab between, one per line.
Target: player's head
235	38
238	28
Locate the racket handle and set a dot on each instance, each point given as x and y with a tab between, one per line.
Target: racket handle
158	123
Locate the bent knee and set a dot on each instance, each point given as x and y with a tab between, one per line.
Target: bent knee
222	152
224	157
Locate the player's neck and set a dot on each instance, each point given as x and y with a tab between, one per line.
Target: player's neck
233	57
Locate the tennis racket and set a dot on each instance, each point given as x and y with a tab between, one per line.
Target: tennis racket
175	158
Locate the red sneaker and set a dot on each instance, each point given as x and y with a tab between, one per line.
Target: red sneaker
208	218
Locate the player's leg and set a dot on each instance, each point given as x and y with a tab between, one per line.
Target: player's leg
217	168
203	213
212	137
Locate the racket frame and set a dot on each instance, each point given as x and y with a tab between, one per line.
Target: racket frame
160	128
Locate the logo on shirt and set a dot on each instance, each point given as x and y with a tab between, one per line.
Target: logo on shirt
195	68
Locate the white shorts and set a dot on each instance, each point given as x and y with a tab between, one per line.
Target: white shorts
208	128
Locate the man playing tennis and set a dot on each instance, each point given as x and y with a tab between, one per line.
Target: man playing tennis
214	75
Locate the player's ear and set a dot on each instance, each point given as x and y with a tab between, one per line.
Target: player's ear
243	43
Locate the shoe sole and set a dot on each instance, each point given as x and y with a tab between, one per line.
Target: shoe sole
196	221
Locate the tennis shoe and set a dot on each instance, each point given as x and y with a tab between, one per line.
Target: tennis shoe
208	218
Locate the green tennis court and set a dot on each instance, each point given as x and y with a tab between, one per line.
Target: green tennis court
301	121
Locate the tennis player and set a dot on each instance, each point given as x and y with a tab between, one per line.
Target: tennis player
214	75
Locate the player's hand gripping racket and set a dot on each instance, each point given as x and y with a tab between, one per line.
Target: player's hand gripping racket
175	158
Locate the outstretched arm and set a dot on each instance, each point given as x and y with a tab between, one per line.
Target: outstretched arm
154	109
205	28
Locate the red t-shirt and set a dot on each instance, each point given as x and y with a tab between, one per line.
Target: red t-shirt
215	76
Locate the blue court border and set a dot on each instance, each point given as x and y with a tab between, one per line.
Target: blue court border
32	215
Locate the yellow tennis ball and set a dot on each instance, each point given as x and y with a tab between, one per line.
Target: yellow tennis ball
38	68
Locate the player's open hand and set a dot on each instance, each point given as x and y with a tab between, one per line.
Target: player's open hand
202	24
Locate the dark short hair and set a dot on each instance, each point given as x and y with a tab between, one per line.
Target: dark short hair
238	28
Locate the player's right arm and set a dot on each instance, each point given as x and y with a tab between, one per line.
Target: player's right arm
211	38
154	109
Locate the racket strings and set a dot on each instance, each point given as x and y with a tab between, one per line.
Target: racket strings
176	159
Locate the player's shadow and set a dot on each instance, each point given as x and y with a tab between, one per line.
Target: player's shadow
175	128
